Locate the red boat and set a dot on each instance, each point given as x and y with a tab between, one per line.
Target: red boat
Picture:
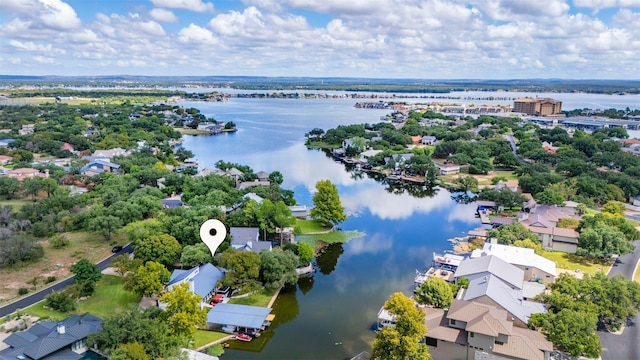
243	337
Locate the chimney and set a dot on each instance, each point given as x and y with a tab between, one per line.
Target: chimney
60	329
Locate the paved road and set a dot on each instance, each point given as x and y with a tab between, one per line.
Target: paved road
40	295
514	149
627	344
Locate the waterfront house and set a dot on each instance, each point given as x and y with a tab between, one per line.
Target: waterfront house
472	330
535	267
66	339
495	282
202	281
246	239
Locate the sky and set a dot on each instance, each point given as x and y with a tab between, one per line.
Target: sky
415	39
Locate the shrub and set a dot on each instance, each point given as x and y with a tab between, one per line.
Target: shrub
60	301
58	242
50	279
215	350
23	291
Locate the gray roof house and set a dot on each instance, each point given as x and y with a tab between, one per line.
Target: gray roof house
65	340
202	280
491	290
246	239
480	267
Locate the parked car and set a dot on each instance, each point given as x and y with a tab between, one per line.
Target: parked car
116	249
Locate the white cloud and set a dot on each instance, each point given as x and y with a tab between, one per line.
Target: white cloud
196	34
43	59
376	38
193	5
31	46
603	4
163	15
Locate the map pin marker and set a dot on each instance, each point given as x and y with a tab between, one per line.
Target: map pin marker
212	233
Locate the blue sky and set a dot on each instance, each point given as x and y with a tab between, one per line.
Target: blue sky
498	39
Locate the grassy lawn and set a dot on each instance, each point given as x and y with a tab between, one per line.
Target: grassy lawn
191	131
332	237
204	337
109	298
575	262
56	262
261	298
310	226
15	204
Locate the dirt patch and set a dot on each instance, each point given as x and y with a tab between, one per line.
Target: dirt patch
56	262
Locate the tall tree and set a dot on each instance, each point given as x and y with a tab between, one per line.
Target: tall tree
278	268
86	275
434	292
327	206
148	279
402	342
162	248
184	314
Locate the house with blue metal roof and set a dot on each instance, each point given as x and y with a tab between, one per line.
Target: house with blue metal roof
50	340
202	280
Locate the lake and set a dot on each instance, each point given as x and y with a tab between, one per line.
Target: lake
330	316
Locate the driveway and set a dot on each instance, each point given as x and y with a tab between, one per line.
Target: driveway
627	344
40	295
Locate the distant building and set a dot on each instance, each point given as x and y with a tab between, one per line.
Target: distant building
537	106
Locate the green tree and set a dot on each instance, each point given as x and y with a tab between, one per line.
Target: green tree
276	177
129	351
510	233
105	225
123	264
402	342
603	241
183	313
162	248
60	301
148	279
571	331
86	275
466	183
614	208
305	253
145	327
197	254
327	206
278	268
243	266
434	292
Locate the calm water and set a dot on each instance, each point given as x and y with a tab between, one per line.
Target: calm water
330	315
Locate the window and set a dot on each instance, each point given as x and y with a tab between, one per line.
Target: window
452	322
432	342
472	334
